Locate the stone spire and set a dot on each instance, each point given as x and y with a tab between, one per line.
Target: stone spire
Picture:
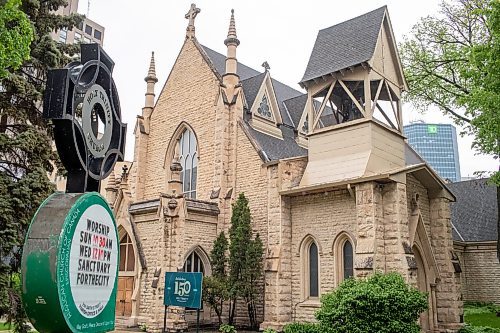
150	79
191	15
232	42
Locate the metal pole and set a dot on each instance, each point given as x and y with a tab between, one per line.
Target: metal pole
198	320
165	319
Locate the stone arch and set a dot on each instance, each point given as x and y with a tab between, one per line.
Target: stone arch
189	156
305	241
310	258
341	257
172	143
425	283
202	254
128	291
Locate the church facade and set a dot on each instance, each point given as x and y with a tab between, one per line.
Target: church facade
334	190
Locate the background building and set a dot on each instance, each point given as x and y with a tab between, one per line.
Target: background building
437	144
87	32
474	218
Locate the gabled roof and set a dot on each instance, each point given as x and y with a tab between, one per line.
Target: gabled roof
474	215
272	148
248	75
295	107
344	45
251	87
219	62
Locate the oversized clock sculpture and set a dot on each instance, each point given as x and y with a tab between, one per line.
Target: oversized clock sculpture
70	257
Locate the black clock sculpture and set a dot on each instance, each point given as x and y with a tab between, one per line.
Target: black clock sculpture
82	102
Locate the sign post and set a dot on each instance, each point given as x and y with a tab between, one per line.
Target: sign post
70	256
183	290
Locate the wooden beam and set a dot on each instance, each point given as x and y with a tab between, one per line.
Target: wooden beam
375	100
368	96
390	98
322	107
385	116
360	108
335	111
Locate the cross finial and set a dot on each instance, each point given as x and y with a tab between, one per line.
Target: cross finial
191	15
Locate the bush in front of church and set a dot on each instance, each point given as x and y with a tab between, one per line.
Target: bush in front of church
381	303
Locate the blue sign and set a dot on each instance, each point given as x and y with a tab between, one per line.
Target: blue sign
183	289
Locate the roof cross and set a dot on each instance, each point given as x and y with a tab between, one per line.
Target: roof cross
191	14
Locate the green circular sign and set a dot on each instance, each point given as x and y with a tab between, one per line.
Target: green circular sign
70	265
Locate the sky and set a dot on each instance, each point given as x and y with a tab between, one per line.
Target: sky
277	31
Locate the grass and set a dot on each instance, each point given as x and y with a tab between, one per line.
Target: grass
483	319
4	327
477	314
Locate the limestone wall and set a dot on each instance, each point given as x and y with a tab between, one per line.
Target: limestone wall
480	275
323	216
188	95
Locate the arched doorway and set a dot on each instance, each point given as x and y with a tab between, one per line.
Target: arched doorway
423	284
126	273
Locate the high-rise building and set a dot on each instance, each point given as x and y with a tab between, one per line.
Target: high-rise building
87	32
437	144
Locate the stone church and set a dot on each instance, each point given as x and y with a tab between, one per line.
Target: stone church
333	188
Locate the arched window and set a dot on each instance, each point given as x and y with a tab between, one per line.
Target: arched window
348	259
343	249
127	255
189	160
313	270
193	263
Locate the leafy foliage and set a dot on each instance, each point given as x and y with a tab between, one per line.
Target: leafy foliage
215	286
302	328
16	35
238	275
245	261
479	329
382	303
452	61
25	142
225	328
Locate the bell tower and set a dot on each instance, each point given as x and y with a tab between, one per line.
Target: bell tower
353	119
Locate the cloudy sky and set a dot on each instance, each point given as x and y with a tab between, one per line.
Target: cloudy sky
277	31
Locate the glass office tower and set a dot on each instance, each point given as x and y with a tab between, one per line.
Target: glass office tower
437	144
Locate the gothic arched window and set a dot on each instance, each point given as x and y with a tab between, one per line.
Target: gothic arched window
347	258
188	158
127	255
344	257
313	270
194	263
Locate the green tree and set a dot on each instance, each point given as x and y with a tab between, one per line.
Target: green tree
452	61
25	144
382	303
215	286
245	261
16	35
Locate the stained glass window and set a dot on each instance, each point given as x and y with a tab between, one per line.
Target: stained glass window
313	270
348	260
264	109
189	161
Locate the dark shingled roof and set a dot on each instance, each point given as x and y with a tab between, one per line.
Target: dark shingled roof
295	107
219	62
251	80
474	215
251	87
344	45
276	149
